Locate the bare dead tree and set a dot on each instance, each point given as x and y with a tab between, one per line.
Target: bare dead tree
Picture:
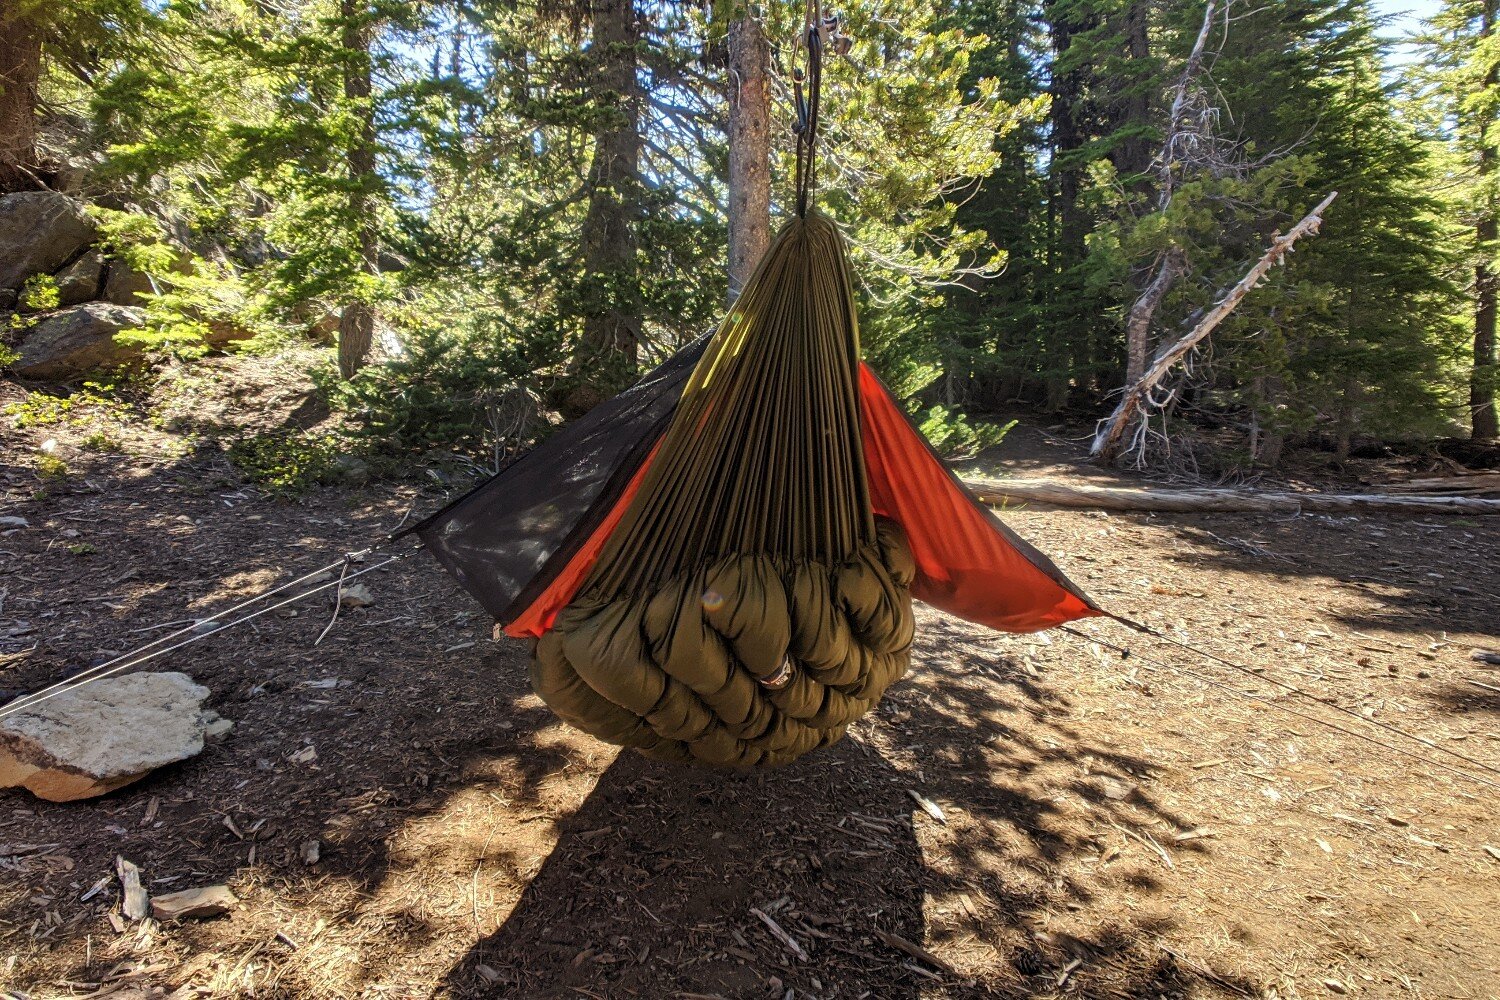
1190	142
1107	443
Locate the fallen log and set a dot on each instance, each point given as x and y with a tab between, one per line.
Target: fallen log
1469	483
1192	501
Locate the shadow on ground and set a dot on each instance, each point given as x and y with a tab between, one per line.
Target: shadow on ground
655	881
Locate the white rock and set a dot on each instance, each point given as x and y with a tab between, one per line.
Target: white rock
356	595
104	735
7	523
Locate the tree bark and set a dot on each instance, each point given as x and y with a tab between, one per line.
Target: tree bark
1484	421
606	357
1067	344
20	69
749	150
1143	310
1132	155
357	319
1172	264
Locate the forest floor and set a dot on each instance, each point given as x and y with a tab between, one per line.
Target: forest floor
1110	827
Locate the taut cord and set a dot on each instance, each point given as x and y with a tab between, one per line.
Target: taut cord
1264	699
140	655
807	105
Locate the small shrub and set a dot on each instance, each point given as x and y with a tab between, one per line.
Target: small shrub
953	436
286	464
8	356
102	441
192	295
470	389
94	401
51	469
82	549
39	293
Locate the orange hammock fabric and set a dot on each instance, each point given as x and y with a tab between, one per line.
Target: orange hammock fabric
968	563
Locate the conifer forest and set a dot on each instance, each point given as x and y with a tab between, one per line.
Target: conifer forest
797	500
506	210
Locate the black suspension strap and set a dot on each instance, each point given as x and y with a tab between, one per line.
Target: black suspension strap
807	103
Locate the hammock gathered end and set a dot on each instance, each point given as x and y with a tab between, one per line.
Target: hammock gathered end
747	606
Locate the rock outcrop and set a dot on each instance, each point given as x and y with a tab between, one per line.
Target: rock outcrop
124	286
104	735
82	280
48	234
40	232
79	339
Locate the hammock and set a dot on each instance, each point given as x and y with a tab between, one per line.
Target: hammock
718	565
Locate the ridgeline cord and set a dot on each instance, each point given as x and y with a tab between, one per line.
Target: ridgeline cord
1154	664
140	655
1294	689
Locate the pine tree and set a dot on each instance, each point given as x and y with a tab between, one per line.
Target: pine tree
1352	336
20	72
1460	78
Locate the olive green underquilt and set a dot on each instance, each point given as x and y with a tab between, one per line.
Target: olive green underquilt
750	540
676	675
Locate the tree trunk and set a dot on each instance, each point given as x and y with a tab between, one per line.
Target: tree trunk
357	320
1132	155
1268	443
606	356
1172	263
1068	346
1485	423
1143	311
749	150
20	68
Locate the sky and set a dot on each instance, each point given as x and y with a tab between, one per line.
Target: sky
1407	13
1406	16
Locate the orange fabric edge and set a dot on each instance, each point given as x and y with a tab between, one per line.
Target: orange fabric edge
968	564
542	612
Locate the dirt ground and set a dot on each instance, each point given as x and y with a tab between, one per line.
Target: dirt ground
1110	827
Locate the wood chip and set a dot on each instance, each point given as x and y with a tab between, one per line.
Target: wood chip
1190	835
206	901
928	806
134	904
914	950
1149	841
779	934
